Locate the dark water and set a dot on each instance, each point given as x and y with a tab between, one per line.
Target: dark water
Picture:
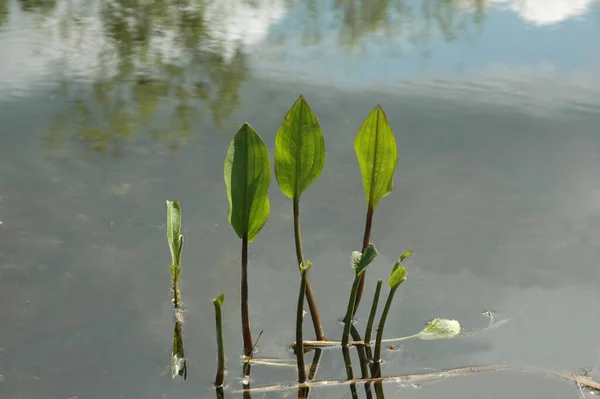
107	109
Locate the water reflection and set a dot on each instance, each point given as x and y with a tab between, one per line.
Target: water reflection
163	69
493	197
158	70
3	12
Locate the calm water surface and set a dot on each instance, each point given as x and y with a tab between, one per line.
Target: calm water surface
109	108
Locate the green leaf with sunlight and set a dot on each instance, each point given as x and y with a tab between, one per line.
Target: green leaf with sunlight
174	230
406	255
397	277
247	179
400	259
377	156
360	261
440	329
299	150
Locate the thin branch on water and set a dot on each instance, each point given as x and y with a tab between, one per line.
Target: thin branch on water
466	334
437	376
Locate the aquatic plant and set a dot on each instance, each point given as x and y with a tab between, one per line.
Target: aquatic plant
377	157
175	240
298	162
247	178
220	377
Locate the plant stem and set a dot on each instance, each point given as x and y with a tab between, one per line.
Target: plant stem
175	272
246	333
310	297
220	346
363	360
314	367
373	312
386	309
366	242
348	317
348	364
299	317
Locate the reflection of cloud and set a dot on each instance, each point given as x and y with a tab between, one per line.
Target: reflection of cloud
546	12
537	12
233	23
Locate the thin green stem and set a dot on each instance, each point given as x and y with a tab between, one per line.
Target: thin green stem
175	272
310	297
348	364
299	317
373	311
366	242
386	309
363	360
220	378
390	340
348	317
246	333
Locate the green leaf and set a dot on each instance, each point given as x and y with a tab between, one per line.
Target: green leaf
360	261
174	230
299	150
397	277
400	259
377	156
406	255
219	299
247	179
440	329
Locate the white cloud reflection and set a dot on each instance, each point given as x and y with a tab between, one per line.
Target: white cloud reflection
546	12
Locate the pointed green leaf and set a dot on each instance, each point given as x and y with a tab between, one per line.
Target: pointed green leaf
400	259
299	150
360	261
398	276
406	255
174	230
247	179
440	329
377	156
219	299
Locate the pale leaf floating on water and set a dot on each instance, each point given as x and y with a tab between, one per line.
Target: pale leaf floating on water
440	329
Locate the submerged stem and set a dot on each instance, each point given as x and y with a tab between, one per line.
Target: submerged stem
310	297
314	367
299	317
351	302
246	333
366	242
386	309
373	311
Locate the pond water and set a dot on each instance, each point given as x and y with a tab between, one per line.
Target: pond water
110	108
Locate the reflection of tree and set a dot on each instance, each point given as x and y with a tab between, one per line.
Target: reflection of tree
157	69
41	6
3	12
154	72
414	19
